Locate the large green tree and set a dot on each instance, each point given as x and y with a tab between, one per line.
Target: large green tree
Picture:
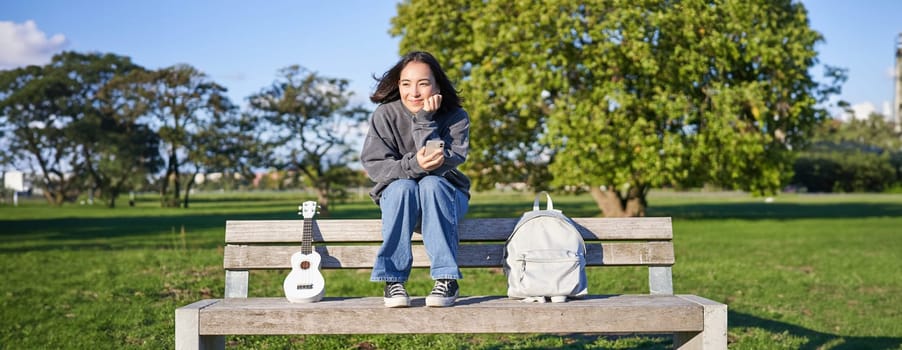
622	96
58	124
126	151
310	123
183	101
32	105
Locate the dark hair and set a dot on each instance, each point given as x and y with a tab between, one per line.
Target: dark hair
387	87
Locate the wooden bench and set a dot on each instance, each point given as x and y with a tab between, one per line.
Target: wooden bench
695	322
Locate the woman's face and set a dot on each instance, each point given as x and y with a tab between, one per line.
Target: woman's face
416	84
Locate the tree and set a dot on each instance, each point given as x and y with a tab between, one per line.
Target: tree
117	151
54	121
182	100
621	96
33	108
126	151
230	144
310	123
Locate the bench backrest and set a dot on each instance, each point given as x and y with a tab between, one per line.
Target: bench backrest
267	245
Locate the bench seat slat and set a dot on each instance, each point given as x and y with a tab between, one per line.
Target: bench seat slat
368	230
246	257
473	314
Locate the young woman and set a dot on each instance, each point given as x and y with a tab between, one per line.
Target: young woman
417	186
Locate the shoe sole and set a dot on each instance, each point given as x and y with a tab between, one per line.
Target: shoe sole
396	302
440	301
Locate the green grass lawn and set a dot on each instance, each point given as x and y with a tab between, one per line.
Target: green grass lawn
802	272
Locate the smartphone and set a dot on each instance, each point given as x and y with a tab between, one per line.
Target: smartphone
433	145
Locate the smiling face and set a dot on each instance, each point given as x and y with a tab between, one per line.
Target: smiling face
416	84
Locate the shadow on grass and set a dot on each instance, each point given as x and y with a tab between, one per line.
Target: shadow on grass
122	232
704	211
155	230
813	340
754	211
158	231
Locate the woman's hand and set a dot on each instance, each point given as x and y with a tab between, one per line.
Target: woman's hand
430	160
432	103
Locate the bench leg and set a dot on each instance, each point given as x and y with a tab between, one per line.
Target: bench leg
187	329
714	336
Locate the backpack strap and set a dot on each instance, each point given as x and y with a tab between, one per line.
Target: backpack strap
549	204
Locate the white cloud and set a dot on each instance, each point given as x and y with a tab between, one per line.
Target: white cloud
25	44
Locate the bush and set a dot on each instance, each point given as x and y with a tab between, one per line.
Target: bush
895	161
850	171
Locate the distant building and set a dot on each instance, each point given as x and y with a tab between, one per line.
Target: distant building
14	180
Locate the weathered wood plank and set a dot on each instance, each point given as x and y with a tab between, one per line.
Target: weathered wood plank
241	257
289	231
475	314
367	230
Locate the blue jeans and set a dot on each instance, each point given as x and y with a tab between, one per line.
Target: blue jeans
404	203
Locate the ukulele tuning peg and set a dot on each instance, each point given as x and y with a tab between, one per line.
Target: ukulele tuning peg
308	208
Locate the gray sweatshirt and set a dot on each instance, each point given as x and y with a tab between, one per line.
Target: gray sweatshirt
396	134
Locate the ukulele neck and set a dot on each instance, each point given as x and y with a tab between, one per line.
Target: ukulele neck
307	239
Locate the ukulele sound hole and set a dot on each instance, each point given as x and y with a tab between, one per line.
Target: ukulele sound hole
305	265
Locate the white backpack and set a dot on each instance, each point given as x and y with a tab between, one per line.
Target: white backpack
545	256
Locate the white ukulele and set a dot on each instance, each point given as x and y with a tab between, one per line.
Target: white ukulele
305	283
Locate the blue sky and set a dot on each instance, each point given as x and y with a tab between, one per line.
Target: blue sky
242	44
239	44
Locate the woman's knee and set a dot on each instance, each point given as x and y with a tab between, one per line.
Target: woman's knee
433	183
402	188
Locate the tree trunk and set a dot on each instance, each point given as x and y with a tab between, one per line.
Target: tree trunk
115	188
177	182
188	189
172	177
111	203
322	201
164	188
55	195
613	203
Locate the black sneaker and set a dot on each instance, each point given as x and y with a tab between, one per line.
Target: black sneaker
444	293
395	295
